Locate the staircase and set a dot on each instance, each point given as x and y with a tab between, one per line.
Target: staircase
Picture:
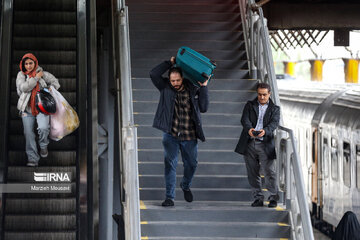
47	29
222	195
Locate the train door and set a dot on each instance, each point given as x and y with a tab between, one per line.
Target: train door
314	164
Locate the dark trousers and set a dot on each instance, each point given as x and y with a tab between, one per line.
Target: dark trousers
256	159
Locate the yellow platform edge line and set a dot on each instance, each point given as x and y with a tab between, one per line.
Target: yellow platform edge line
283	224
142	205
144	238
284	239
279	208
143	222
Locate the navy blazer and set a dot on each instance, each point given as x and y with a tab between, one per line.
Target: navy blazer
249	120
199	100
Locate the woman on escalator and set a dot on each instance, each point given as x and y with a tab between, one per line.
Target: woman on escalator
30	79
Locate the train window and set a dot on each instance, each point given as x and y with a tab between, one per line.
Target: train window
325	159
358	166
334	159
346	164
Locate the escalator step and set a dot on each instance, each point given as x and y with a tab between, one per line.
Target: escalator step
44	17
58	158
44	30
40	222
36	5
17	142
44	44
63	235
40	206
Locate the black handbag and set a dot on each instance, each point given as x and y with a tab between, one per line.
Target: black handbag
44	102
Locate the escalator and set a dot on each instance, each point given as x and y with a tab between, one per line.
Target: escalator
48	29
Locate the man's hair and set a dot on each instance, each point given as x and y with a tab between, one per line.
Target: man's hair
175	70
263	85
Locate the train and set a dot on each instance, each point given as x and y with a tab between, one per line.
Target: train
326	123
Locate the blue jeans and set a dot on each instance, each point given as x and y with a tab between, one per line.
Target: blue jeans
43	130
188	150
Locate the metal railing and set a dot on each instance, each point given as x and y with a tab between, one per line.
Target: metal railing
128	131
257	43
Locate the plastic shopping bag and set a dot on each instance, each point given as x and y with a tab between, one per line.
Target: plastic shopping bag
65	120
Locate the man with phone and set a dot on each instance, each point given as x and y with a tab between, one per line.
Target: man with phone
259	120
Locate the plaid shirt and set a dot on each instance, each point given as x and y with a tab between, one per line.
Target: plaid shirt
183	126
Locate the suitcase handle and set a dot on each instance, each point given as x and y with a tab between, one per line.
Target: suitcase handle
205	75
182	51
213	62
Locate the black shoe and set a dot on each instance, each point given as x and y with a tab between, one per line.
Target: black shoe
187	194
258	203
167	203
272	204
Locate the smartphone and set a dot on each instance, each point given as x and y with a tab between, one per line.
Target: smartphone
255	133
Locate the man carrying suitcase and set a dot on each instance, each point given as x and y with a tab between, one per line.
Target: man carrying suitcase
178	116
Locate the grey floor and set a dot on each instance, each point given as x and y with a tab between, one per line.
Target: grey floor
319	236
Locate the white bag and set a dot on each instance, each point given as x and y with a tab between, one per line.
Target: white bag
65	120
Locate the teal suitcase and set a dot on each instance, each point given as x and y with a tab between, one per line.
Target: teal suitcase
195	66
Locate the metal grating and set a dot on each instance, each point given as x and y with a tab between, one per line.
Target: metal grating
286	39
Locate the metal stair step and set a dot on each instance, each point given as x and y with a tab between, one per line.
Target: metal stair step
243	214
221	64
214	95
200	181
204	168
217	194
194	44
210	119
177	7
214	107
210	143
167	53
188	26
209	229
184	17
157	155
225	74
185	2
216	84
210	131
205	35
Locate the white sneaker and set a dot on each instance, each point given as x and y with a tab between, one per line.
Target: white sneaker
44	152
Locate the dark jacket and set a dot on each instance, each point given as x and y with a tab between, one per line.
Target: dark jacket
165	110
270	122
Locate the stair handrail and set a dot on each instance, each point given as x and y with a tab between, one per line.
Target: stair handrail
129	188
257	43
